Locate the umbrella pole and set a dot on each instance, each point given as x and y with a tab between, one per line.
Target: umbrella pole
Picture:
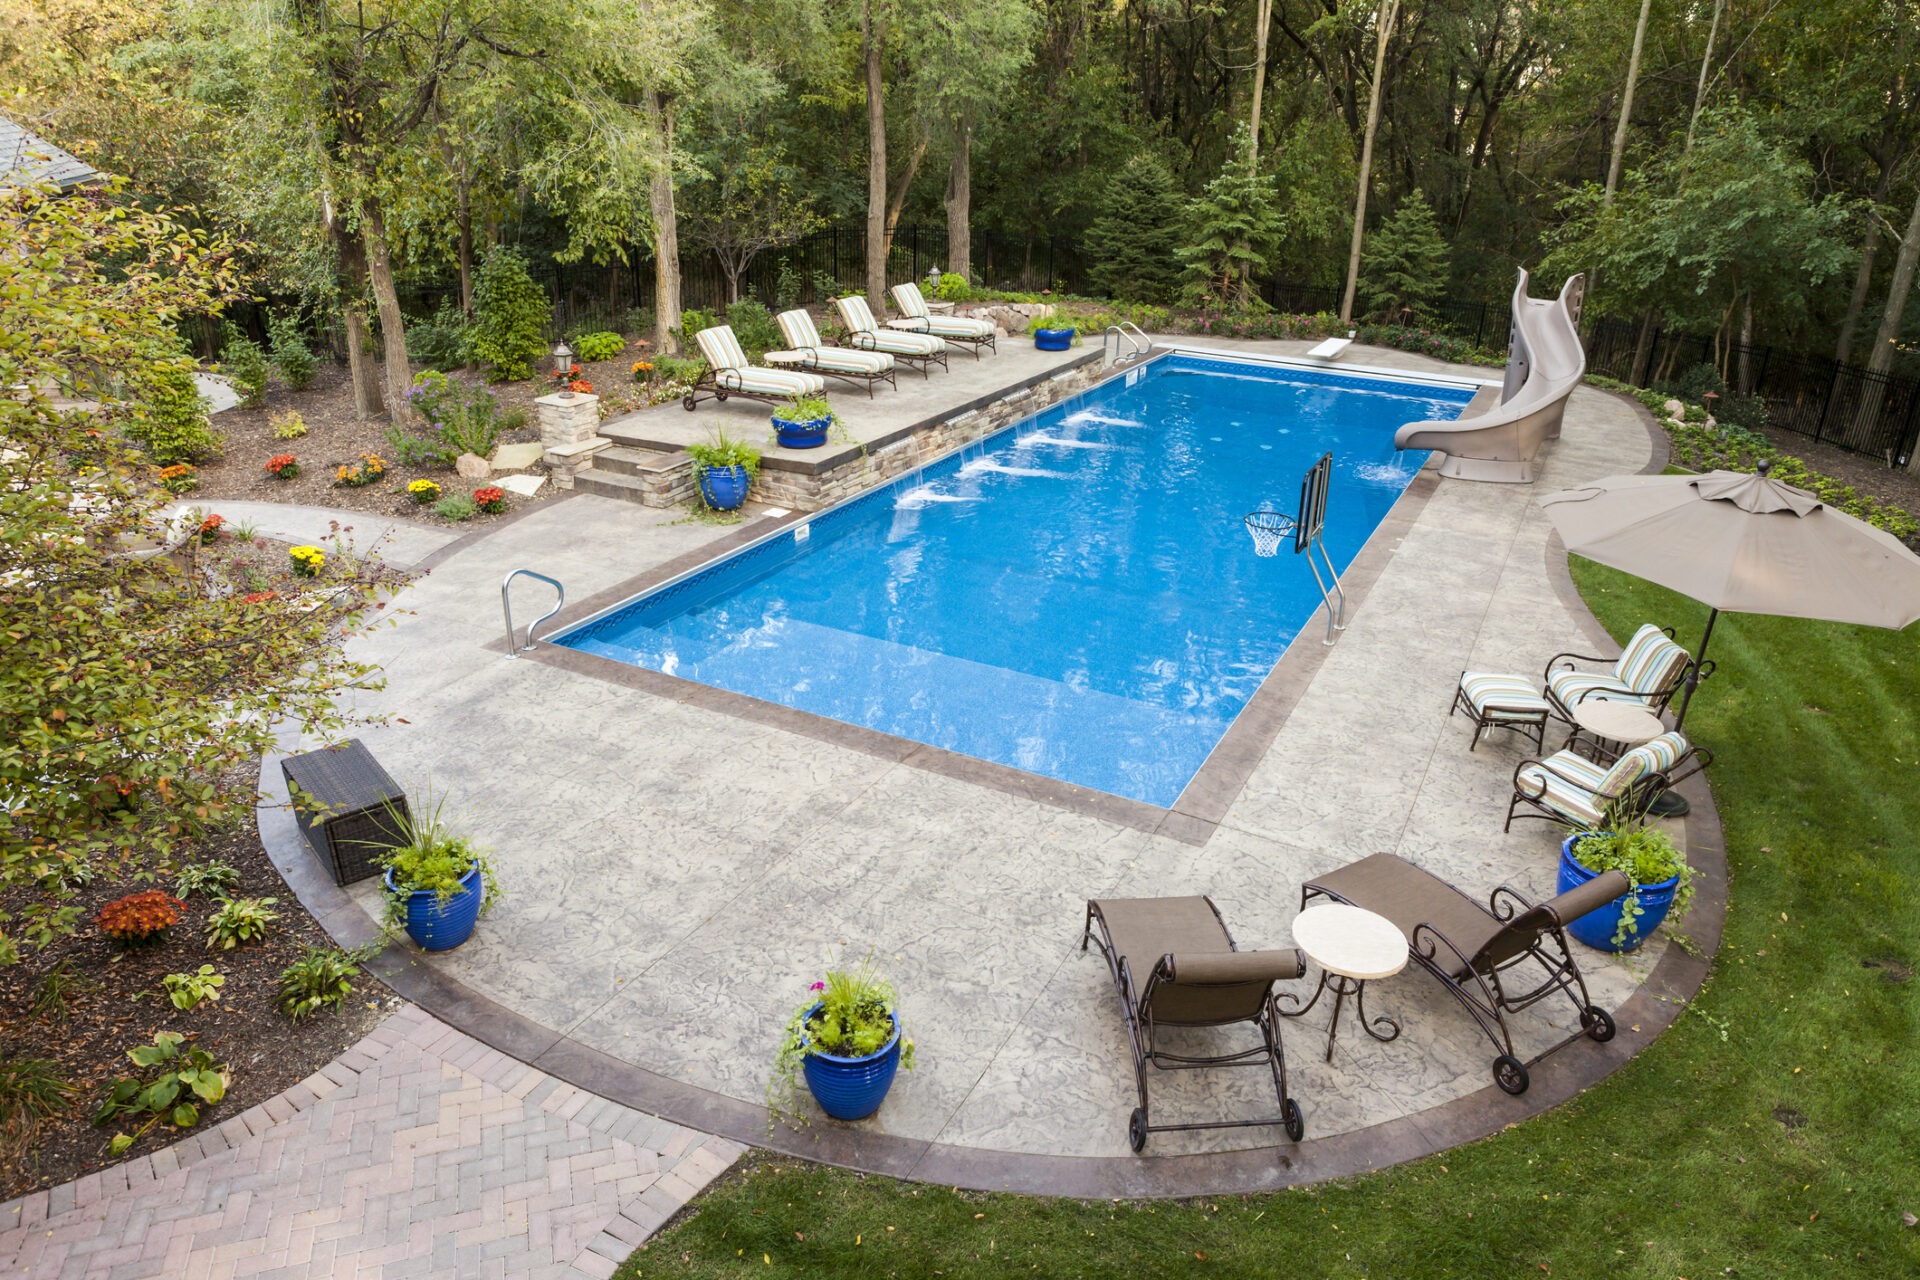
1693	671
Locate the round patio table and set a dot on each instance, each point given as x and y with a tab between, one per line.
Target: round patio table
1352	946
1629	725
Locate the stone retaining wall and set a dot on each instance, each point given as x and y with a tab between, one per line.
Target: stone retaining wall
802	491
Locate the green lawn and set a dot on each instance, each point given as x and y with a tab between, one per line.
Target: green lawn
1775	1133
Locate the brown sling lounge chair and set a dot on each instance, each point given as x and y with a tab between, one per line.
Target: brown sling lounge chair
1193	978
1474	950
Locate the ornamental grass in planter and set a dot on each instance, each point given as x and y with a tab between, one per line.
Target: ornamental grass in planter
846	1041
438	883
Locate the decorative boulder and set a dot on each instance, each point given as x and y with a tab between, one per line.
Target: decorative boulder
471	466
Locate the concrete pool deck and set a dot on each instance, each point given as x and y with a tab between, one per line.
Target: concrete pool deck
677	872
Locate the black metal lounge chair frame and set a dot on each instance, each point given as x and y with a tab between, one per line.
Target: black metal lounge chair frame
1634	800
899	357
984	340
1137	1003
1656	703
1485	994
715	391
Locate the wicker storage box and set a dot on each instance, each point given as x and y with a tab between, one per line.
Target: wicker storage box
357	807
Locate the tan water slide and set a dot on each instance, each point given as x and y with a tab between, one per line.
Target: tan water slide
1544	364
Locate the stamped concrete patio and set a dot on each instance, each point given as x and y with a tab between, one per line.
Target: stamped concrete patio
679	864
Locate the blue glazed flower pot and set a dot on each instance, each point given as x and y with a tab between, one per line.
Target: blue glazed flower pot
852	1088
1597	927
810	434
724	488
442	927
1052	339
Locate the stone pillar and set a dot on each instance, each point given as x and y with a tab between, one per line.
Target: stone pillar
568	418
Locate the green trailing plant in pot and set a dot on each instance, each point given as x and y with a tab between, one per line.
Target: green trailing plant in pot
1661	879
846	1041
723	468
804	422
438	883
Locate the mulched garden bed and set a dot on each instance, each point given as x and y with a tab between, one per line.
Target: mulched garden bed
116	1002
1868	474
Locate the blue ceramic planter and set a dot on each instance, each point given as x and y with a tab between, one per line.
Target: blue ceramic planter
438	927
1597	927
1052	339
852	1088
810	434
723	488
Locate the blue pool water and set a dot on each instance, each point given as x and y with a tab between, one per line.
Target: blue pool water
1074	596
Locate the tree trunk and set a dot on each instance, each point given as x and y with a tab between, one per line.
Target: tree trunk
393	329
1263	20
898	201
351	274
1857	302
666	233
1619	155
872	33
1389	10
1880	359
960	202
1706	61
465	217
1642	350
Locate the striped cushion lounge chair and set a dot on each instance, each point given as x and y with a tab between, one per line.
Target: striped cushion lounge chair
1648	672
728	373
1175	965
1567	787
832	362
1476	952
1502	702
865	335
916	318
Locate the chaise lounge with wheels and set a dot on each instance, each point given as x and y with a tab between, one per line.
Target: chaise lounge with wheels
1175	965
864	334
810	353
1648	673
1480	953
916	317
728	373
1570	789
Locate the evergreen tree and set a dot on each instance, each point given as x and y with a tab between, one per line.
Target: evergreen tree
1130	247
1406	263
1233	229
510	316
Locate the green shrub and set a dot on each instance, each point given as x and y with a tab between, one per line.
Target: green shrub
1693	385
172	424
245	365
1130	246
675	368
456	508
953	287
461	417
639	323
510	316
604	345
187	990
318	980
787	286
693	320
753	325
170	1094
239	921
444	341
289	425
1749	411
291	354
212	878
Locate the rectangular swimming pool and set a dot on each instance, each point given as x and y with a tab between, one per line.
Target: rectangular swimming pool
1074	596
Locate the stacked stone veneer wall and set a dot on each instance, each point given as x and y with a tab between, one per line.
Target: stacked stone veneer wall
802	491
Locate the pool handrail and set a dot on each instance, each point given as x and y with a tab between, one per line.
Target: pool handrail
506	608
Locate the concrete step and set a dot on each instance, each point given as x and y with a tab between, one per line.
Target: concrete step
611	484
627	461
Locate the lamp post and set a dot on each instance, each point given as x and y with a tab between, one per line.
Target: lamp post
563	368
933	279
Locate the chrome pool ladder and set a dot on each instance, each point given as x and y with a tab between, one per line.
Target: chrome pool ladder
1138	344
506	609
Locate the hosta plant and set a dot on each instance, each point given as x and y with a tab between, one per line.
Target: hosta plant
179	1081
240	920
188	990
213	879
318	980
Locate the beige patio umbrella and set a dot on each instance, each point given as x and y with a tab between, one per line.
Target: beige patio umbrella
1744	543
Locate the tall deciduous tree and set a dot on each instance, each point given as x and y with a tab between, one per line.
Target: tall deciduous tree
1389	13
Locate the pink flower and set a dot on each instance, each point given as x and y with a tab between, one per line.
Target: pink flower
818	986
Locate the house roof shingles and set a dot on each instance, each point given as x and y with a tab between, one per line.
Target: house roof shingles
25	157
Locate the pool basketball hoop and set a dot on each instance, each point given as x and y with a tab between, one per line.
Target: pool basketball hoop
1268	527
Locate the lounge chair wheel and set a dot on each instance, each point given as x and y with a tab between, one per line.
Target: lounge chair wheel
1137	1130
687	402
1510	1074
1296	1123
1598	1023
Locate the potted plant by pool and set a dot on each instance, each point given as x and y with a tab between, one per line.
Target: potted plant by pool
803	422
723	468
845	1040
1660	876
438	883
1046	338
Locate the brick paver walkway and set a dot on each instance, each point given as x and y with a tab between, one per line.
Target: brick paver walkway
418	1152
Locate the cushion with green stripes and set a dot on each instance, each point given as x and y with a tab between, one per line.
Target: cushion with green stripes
798	328
907	298
855	314
1499	696
1651	662
721	349
898	342
1575	795
1572	686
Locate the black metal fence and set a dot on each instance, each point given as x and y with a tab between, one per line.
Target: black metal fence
1844	405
